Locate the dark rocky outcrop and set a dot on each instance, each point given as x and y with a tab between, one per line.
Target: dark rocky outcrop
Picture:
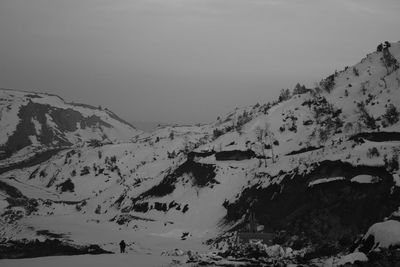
303	150
35	160
65	121
25	128
235	155
126	218
66	186
192	155
377	136
10	190
144	206
330	214
16	199
49	247
201	175
49	234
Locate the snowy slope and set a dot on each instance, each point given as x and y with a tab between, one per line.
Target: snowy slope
321	166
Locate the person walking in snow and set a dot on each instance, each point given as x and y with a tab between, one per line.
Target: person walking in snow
122	246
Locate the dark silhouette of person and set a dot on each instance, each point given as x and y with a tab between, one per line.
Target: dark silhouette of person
122	246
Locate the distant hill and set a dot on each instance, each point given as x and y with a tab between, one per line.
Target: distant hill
36	121
150	127
146	126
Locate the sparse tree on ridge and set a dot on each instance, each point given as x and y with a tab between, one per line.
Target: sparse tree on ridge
284	95
269	135
328	83
299	89
389	61
365	117
265	136
392	114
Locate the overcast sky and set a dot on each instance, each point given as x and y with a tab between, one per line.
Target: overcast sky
184	60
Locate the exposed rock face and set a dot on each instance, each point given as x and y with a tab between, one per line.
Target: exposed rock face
377	136
201	175
235	155
334	212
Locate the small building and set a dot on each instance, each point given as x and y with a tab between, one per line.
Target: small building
248	237
253	235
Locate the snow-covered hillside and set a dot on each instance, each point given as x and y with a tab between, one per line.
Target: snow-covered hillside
319	168
36	121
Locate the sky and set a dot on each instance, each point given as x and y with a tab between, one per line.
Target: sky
184	61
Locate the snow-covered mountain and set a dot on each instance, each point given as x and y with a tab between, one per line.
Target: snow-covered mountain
36	121
318	167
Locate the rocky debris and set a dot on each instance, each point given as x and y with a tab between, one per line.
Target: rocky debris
175	252
229	252
382	258
258	254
